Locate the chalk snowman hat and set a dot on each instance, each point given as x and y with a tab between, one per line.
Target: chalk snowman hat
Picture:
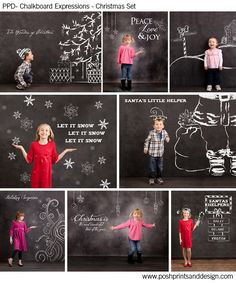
157	113
22	52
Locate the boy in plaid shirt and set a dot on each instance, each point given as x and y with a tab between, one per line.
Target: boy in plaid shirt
154	146
23	75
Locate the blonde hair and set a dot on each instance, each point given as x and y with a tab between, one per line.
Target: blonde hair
138	211
186	209
51	136
19	214
127	36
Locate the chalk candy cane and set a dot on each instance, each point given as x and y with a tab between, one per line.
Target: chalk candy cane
182	32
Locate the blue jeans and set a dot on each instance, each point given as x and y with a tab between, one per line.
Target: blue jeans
28	77
134	246
155	167
126	72
213	77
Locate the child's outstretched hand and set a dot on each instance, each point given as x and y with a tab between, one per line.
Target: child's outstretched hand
18	146
33	227
112	228
198	222
153	225
70	149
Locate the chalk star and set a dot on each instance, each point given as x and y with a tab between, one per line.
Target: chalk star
16	140
103	124
29	100
101	160
107	29
11	156
16	114
115	32
48	104
98	104
68	163
105	184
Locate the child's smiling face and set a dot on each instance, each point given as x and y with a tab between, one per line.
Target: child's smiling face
136	215
158	125
44	132
186	214
30	56
21	218
212	42
128	40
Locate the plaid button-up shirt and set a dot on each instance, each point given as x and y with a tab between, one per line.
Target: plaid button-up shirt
24	68
154	143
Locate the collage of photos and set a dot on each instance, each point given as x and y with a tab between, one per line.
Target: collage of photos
118	141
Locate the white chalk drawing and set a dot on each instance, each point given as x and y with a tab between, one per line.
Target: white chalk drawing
11	156
228	40
156	112
16	140
117	204
26	124
80	198
105	184
74	204
110	23
25	177
87	168
155	205
48	104
71	111
98	104
68	163
219	209
50	245
80	59
101	160
17	115
29	100
103	124
146	199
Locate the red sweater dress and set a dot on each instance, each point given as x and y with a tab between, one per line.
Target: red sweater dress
42	156
186	229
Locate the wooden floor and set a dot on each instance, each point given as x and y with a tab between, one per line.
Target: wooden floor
113	263
136	87
205	265
33	266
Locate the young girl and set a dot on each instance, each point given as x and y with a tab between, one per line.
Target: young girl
126	54
135	225
186	228
43	154
17	235
213	64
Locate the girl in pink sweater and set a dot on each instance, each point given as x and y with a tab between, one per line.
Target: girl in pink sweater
17	236
213	64
125	57
135	225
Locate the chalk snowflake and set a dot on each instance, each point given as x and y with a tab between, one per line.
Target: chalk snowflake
48	104
26	124
98	104
101	160
87	168
103	124
29	100
16	140
11	156
71	111
107	29
68	163
24	177
16	114
105	184
80	198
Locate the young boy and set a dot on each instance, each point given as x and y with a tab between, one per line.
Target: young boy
154	146
23	75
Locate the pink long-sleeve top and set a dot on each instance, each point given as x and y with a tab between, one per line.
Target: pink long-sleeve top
125	55
213	58
17	232
135	228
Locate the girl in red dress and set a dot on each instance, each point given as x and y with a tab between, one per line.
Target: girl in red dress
42	154
186	228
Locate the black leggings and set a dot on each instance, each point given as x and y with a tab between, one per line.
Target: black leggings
19	254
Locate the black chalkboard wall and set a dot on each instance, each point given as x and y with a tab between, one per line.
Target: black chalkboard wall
42	209
87	237
49	36
90	166
189	33
185	154
149	30
216	235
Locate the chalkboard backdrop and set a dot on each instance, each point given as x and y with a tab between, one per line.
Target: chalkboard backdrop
42	209
66	46
189	33
90	215
215	237
149	30
87	123
185	154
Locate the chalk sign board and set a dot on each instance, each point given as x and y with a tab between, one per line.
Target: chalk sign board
215	236
149	30
190	141
87	123
90	215
71	49
189	33
42	209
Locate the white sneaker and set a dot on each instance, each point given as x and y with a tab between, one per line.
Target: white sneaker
209	88
151	181
218	88
10	261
